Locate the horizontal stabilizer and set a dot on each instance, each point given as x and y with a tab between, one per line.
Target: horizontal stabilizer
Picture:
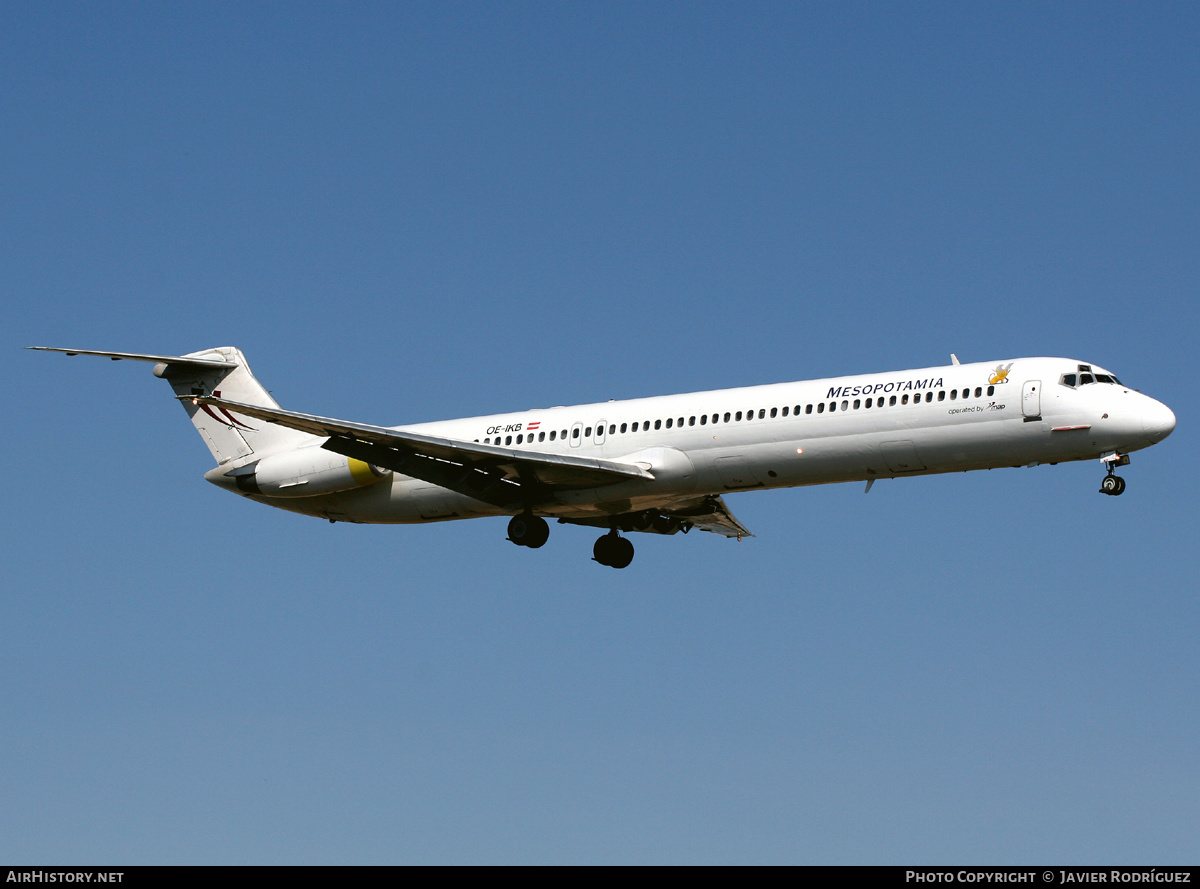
139	356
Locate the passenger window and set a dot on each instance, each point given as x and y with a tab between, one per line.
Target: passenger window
552	435
808	409
857	404
541	436
762	414
738	415
624	426
867	403
845	405
727	416
953	395
691	421
716	417
991	391
587	433
703	419
658	424
978	391
821	408
929	397
520	438
941	395
832	406
796	411
669	422
508	439
774	412
575	432
892	403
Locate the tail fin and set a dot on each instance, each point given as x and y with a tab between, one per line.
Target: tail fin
224	373
227	435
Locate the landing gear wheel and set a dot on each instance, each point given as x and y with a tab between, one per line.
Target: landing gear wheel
624	553
1120	485
613	551
528	530
1112	484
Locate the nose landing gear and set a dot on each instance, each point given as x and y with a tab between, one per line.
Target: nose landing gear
613	550
1113	484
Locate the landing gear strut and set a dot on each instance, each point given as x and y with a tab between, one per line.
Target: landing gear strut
528	530
613	550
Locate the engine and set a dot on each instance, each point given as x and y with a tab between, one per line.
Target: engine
306	472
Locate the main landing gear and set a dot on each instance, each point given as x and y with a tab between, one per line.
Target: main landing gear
532	531
528	530
1113	484
613	550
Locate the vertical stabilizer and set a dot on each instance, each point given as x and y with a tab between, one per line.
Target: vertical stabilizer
228	436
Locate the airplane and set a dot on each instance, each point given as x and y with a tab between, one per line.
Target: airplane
657	465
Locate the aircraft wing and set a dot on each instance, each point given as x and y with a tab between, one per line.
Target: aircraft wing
708	513
501	476
713	515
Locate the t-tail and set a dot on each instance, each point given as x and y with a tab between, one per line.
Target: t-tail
224	373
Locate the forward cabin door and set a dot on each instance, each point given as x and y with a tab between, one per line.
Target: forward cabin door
1031	399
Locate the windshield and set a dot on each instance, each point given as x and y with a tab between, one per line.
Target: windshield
1086	375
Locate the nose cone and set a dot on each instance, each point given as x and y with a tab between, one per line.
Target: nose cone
1158	420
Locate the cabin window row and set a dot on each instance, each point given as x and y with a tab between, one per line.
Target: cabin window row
738	416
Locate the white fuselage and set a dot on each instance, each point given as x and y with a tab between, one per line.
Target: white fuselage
854	428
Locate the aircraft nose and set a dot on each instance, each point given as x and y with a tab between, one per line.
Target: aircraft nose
1158	420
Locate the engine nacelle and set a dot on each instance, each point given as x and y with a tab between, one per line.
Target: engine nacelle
306	472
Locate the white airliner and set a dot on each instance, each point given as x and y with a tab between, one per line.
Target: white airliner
656	464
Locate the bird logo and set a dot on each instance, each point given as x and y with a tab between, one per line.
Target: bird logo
1000	374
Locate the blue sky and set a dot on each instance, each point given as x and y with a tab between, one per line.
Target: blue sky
412	212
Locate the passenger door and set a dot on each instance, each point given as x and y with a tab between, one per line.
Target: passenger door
1031	400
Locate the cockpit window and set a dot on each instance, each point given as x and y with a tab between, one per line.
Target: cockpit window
1089	376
